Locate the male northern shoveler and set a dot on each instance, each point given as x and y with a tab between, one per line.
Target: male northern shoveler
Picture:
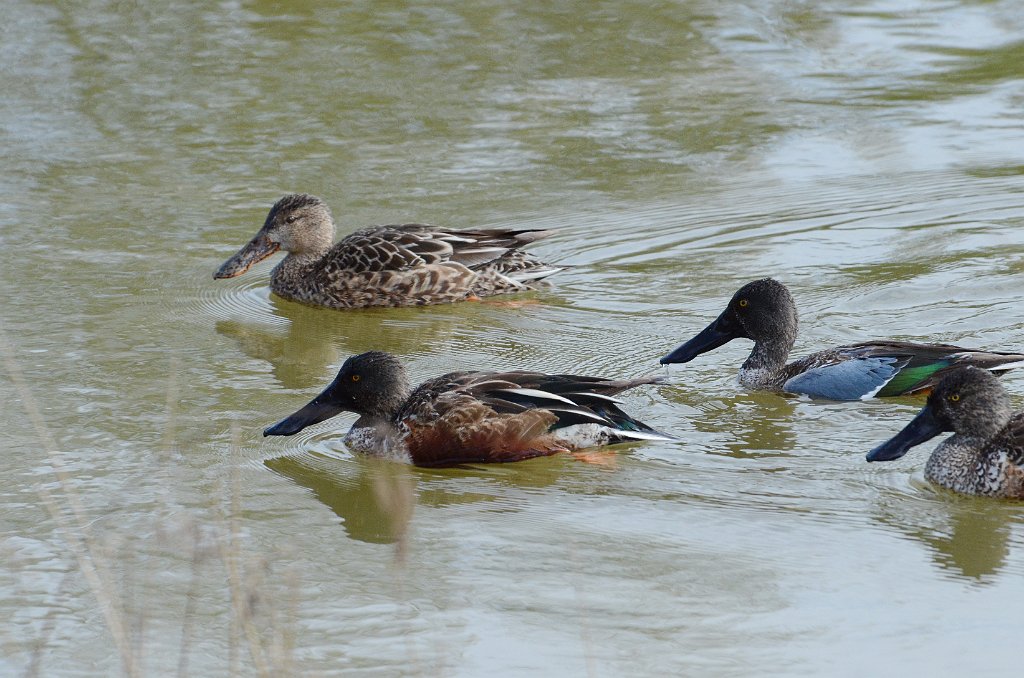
985	454
467	417
763	310
400	265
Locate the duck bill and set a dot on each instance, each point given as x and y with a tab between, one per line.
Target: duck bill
258	249
313	413
718	333
922	428
326	405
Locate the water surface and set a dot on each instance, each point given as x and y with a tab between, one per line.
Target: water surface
866	153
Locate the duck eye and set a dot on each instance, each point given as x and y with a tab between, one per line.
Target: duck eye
743	303
355	377
291	219
954	398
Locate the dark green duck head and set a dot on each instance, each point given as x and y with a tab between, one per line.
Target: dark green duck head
762	310
297	224
372	384
968	401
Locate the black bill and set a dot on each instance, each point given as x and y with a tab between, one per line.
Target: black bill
720	332
922	428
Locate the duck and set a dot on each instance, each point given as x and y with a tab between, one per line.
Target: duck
390	265
764	311
985	454
470	416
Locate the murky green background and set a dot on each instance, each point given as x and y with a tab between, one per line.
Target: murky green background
869	154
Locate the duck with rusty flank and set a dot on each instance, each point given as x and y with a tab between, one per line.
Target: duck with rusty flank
985	454
395	265
764	311
470	417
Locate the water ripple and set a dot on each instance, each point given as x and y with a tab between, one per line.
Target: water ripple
246	298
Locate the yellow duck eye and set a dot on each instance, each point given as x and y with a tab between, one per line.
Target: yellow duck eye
954	398
744	303
356	377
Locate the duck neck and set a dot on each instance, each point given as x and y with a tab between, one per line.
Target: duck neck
372	421
291	277
383	407
763	367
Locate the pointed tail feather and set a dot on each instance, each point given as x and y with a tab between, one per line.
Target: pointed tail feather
534	274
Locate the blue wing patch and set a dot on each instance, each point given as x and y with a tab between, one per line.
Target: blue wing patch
851	379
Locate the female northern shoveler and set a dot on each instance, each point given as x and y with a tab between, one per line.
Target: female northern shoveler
402	265
467	417
763	310
985	454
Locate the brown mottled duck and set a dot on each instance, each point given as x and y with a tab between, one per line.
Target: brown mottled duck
395	265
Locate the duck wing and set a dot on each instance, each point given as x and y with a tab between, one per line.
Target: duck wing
887	368
402	247
476	249
1011	441
387	248
845	379
926	364
467	417
447	424
573	399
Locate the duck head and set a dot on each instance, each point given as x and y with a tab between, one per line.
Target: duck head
372	384
762	310
297	223
969	402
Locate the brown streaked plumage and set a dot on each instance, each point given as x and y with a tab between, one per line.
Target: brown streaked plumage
985	454
467	417
393	265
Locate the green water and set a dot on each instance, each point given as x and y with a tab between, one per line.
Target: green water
866	153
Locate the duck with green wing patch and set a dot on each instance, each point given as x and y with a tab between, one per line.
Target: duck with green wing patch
764	311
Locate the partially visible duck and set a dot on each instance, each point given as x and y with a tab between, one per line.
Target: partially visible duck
763	310
985	454
467	417
400	265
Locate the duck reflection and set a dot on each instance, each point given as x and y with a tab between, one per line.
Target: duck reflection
975	546
967	538
297	360
749	425
375	498
313	340
375	503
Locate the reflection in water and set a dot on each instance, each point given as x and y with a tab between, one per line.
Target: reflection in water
755	424
375	504
296	361
762	425
860	153
967	537
975	545
316	339
375	498
965	74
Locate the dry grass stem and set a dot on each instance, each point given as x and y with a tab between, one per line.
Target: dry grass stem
77	535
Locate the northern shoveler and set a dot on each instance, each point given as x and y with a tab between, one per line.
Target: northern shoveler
985	454
470	417
398	265
763	310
